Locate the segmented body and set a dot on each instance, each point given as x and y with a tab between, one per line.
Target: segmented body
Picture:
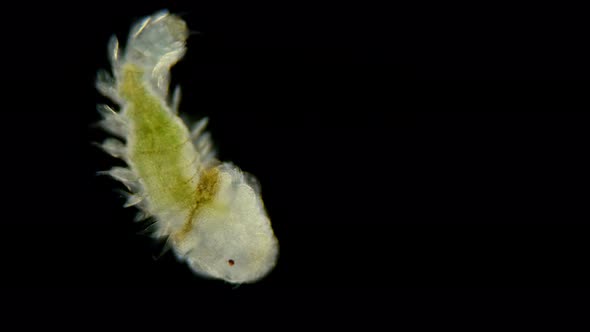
211	215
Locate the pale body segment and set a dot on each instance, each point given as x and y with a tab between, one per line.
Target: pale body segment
210	214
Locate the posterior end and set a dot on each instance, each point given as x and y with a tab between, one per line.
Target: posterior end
157	38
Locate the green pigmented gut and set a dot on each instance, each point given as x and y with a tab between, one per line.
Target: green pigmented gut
210	213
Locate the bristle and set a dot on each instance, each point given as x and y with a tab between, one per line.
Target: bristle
142	215
202	141
125	176
116	128
105	110
133	200
175	101
198	128
105	84
114	147
113	51
139	27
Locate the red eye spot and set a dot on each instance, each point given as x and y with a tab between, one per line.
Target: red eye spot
231	262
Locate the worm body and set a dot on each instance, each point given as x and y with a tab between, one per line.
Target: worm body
211	215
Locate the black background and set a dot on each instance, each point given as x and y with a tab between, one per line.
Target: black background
398	147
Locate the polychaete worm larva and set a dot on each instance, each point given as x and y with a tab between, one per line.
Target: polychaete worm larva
210	212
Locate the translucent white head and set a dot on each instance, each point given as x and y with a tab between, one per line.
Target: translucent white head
233	239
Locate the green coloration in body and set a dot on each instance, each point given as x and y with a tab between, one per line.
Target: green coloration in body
208	211
159	147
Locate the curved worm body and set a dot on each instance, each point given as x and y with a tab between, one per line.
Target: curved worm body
210	212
